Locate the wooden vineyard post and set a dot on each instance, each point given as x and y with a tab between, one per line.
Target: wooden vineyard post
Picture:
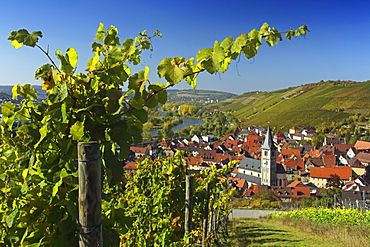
89	194
205	217
189	203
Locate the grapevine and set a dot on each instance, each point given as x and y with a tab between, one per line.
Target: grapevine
38	169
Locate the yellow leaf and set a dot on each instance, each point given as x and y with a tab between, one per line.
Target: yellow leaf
16	44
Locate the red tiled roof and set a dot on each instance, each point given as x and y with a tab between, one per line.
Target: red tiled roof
295	164
221	157
240	182
315	153
329	161
361	145
288	152
139	150
344	172
295	184
195	161
363	157
343	148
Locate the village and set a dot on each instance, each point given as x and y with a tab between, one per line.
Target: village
273	161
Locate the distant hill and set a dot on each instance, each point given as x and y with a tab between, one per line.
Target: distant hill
174	95
205	96
310	104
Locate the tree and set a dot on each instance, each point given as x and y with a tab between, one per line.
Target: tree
333	181
39	172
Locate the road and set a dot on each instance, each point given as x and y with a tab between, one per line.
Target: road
241	213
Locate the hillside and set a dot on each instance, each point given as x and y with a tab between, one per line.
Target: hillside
310	104
205	96
174	95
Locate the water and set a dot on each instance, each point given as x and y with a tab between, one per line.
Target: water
186	121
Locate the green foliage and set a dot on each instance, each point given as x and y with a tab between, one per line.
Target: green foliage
38	159
338	216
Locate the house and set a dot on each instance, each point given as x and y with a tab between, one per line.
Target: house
364	158
342	149
290	153
319	175
288	193
352	152
360	183
295	130
329	161
327	149
331	140
130	167
362	146
195	163
139	151
239	183
309	131
297	136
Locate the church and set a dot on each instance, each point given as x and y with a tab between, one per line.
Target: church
264	171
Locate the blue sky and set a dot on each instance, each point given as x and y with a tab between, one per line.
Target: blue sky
337	48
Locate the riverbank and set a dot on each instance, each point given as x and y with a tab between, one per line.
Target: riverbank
186	121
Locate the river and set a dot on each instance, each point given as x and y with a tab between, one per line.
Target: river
186	121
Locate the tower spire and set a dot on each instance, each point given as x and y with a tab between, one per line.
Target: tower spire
269	142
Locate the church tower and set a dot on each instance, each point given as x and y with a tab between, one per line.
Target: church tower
268	160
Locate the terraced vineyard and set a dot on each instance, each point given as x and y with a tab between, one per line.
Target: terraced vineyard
311	104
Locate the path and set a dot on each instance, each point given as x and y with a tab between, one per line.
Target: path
248	213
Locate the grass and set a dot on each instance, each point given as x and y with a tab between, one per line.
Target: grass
288	232
262	232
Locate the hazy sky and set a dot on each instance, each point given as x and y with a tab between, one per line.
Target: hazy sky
338	46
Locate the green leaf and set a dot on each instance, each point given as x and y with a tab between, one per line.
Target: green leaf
249	51
265	28
72	57
30	92
115	55
227	43
170	69
56	187
77	130
26	91
111	37
152	102
43	132
8	113
22	36
65	66
100	33
10	220
239	43
271	39
210	66
255	37
121	135
140	114
204	54
290	34
218	54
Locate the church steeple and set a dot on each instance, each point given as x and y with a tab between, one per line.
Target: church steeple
269	141
268	160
